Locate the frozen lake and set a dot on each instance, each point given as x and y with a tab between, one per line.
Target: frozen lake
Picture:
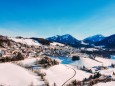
113	57
64	60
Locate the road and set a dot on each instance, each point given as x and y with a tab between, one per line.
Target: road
70	77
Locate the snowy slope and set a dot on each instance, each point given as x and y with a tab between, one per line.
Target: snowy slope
94	39
106	84
108	41
56	43
105	61
65	39
28	61
26	41
61	73
87	62
108	71
58	74
13	75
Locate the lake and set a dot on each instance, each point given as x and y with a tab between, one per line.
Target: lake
113	57
64	60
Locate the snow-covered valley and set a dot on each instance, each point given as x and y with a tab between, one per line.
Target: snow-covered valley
27	62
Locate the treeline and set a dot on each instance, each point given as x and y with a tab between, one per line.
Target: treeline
42	41
47	62
5	41
85	82
17	57
103	53
86	69
92	80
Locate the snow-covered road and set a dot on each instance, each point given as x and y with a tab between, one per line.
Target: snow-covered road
70	77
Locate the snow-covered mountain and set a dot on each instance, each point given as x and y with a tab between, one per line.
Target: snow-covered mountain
27	41
31	41
93	39
41	40
108	41
65	39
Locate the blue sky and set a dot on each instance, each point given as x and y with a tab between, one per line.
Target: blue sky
45	18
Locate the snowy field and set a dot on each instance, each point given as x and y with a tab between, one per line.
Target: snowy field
105	61
13	75
26	41
56	43
28	61
108	71
61	73
58	74
106	84
89	63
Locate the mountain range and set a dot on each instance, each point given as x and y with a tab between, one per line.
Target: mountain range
107	42
96	40
66	39
93	39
